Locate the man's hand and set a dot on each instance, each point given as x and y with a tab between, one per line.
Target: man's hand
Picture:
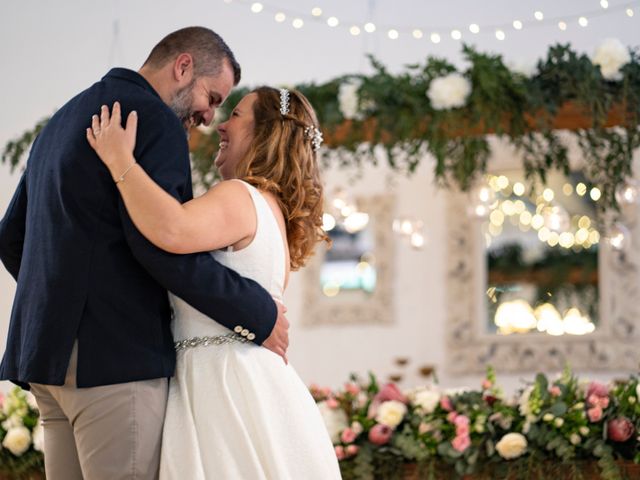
278	341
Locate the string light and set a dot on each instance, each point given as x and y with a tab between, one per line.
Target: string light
394	32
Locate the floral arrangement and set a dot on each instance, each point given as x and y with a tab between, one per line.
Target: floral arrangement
551	428
21	435
446	111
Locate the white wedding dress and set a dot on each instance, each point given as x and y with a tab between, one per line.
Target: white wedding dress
235	410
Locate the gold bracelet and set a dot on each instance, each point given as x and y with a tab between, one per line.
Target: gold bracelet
121	177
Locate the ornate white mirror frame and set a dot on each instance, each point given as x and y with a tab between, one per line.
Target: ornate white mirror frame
615	344
357	307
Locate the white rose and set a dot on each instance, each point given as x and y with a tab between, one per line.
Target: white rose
31	400
349	100
638	390
584	431
38	438
334	419
575	439
525	409
426	400
547	417
356	427
512	445
17	440
611	55
450	91
558	422
391	413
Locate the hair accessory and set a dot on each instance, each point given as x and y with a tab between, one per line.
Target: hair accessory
284	101
315	135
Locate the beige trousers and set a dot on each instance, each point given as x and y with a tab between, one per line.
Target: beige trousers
110	432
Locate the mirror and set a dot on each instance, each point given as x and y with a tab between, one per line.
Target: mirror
542	255
352	281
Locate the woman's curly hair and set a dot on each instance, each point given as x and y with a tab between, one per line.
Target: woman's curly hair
282	160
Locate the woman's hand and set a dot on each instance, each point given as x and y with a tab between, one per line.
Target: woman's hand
113	144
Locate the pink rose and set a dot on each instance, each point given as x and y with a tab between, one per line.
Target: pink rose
461	420
380	434
597	389
594	414
423	428
487	384
373	409
462	430
604	402
445	403
332	403
461	443
451	416
620	429
339	452
352	450
348	435
352	388
555	391
390	392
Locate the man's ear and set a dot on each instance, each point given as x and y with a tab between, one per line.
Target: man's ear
183	68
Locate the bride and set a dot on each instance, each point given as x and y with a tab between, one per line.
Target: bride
236	410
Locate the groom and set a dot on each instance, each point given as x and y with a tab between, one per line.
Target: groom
89	329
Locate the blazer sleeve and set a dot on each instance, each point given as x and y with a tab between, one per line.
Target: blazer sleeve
12	229
198	279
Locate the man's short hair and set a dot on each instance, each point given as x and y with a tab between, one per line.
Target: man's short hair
207	48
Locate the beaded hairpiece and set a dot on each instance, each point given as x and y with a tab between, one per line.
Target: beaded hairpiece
315	135
284	101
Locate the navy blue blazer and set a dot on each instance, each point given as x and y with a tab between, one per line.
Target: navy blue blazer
84	272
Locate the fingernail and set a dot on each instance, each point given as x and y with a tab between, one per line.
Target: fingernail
133	112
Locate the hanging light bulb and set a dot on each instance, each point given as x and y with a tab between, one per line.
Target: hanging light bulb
619	236
483	200
628	192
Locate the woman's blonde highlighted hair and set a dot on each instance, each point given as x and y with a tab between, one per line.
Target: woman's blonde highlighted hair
282	160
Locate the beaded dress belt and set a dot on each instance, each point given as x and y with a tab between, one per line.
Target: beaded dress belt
206	341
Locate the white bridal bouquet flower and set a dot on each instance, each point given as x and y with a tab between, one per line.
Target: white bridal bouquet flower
611	56
450	91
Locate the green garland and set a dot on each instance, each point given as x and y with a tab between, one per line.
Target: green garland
397	116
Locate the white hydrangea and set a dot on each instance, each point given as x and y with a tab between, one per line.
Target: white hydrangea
391	413
450	91
17	440
611	56
334	419
349	100
512	445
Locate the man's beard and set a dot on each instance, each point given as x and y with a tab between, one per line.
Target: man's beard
181	105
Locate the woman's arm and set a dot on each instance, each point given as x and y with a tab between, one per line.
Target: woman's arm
221	217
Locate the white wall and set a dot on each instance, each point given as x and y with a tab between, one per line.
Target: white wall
51	50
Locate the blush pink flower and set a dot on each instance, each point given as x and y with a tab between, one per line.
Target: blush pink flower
340	452
594	414
352	388
351	450
348	435
380	434
597	389
445	404
461	443
390	392
555	391
487	384
451	416
332	403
